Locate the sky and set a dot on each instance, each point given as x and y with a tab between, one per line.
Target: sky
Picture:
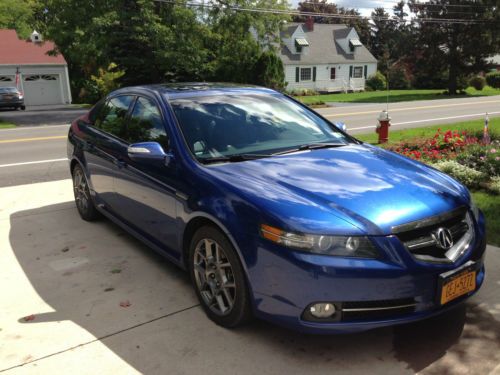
365	7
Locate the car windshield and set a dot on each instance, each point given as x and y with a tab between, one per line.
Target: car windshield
8	90
224	126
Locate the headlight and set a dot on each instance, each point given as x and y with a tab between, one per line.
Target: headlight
475	210
353	246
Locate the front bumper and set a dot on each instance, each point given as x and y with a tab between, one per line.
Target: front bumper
285	283
11	103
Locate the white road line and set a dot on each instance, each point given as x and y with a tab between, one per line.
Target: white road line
428	120
34	127
32	162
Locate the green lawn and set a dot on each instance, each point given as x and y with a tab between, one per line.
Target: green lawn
394	96
5	125
489	204
396	136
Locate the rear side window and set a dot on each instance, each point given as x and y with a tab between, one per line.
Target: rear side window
146	124
112	116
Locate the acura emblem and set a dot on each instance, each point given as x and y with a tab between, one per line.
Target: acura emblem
443	238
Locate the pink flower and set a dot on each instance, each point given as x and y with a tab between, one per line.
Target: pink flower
482	158
493	150
497	158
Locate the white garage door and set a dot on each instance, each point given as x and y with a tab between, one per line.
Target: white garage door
7	81
41	89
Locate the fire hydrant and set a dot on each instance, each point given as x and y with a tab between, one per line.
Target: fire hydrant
383	126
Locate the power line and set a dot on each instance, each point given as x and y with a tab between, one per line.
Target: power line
325	15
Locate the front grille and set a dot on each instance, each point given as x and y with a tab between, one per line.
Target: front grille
383	309
420	240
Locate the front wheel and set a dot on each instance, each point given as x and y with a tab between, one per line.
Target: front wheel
83	200
218	278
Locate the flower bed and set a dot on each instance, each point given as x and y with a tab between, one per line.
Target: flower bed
463	156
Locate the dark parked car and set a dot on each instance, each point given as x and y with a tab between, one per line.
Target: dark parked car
276	212
11	97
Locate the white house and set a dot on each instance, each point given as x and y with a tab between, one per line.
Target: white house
325	57
43	78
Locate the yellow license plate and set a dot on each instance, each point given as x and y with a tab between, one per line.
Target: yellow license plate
458	286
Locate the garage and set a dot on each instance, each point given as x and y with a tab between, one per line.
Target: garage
7	81
42	89
44	78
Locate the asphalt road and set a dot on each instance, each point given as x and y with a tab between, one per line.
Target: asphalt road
362	118
37	153
42	115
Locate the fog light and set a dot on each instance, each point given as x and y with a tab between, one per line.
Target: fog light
322	310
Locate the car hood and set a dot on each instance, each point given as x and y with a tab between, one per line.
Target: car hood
355	189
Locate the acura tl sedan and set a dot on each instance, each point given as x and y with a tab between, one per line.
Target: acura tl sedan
275	212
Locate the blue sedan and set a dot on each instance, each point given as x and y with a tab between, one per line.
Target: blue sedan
274	211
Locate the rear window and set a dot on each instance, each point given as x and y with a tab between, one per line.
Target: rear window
8	90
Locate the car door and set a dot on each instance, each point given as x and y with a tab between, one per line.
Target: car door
103	143
145	189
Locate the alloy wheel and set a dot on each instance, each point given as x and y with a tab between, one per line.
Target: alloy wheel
214	277
81	190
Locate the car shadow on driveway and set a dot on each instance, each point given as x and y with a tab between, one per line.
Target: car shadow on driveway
103	284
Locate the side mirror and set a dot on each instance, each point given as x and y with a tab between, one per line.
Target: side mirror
341	126
146	151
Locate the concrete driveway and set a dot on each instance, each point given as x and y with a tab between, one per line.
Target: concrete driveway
43	115
86	298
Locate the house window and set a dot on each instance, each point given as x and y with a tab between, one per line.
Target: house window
298	49
305	74
332	73
358	72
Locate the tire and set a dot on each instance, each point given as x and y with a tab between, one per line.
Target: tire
23	107
83	199
226	269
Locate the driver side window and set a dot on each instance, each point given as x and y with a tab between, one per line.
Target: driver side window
146	124
112	116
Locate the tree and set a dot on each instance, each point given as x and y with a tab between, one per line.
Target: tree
323	6
383	38
451	48
158	41
236	48
269	71
17	15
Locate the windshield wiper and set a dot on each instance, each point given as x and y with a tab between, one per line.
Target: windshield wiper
310	146
233	158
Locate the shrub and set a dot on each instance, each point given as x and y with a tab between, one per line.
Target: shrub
484	158
377	81
88	92
477	82
303	92
494	185
398	79
269	71
468	176
107	79
442	145
493	79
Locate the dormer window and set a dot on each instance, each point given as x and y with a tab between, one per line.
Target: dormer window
299	43
353	43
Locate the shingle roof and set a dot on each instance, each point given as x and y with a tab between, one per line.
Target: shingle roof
322	46
15	51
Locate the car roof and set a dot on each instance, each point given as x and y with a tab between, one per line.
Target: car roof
191	89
